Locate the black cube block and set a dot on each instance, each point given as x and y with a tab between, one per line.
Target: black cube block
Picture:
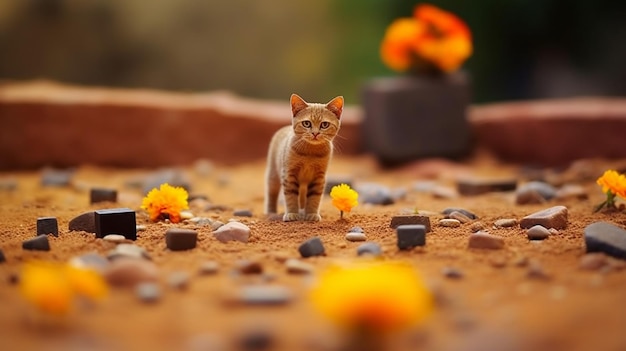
102	195
116	221
411	235
47	225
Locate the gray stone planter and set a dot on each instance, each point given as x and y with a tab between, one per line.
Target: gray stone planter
411	117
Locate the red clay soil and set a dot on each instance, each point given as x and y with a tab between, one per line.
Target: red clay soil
496	305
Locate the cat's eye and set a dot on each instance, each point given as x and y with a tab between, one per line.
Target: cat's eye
306	124
324	125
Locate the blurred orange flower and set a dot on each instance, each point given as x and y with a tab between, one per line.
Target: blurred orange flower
165	202
431	39
344	197
372	297
613	184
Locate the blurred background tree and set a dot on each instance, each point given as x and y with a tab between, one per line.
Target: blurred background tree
269	49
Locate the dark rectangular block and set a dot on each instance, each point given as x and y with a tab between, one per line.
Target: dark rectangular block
411	235
102	195
47	225
116	221
478	186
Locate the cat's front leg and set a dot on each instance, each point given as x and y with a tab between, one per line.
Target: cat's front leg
313	200
291	193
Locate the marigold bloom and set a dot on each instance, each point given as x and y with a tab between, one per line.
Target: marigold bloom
165	202
377	297
51	287
613	182
344	197
432	37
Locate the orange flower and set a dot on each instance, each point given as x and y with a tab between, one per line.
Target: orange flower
344	198
613	182
165	202
432	38
373	297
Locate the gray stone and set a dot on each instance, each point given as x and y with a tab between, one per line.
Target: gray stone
232	231
116	221
242	213
449	210
478	186
410	235
537	232
443	192
148	292
312	247
553	217
47	225
86	222
356	229
369	249
375	194
449	222
459	216
102	195
505	223
477	226
607	238
264	295
410	219
178	280
128	272
38	243
295	266
124	250
179	239
202	221
571	191
356	237
534	192
484	240
56	177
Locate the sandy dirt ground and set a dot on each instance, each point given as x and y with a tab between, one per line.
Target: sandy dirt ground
496	304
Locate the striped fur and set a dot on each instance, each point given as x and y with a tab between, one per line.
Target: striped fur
298	158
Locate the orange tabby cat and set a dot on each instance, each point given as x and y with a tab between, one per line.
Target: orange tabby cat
298	157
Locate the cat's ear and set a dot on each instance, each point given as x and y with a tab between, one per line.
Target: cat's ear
336	106
297	104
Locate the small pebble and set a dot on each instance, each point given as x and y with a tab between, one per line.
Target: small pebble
38	243
571	191
148	292
443	192
593	261
179	239
208	268
484	240
312	247
141	227
102	195
459	216
128	251
356	237
232	231
553	217
537	232
356	230
47	225
449	222
505	223
115	238
264	295
90	260
410	235
248	267
375	194
534	192
369	249
452	273
178	280
410	219
186	215
242	213
449	210
295	266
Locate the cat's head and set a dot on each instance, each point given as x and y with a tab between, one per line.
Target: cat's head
316	123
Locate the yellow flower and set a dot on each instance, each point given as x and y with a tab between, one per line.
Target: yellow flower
613	182
165	202
344	198
377	297
51	287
